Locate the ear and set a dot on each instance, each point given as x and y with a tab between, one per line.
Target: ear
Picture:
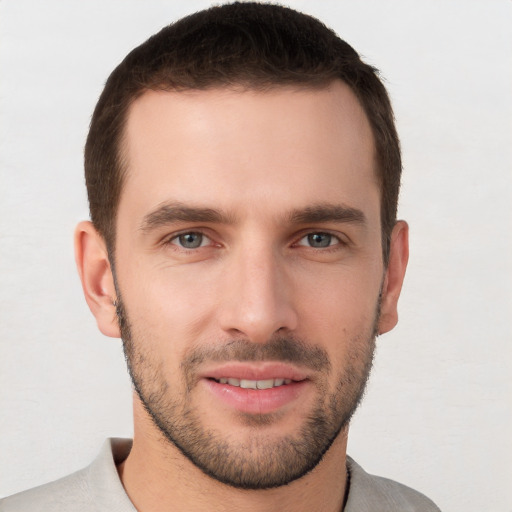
97	279
394	276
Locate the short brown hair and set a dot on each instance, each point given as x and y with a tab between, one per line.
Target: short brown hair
254	45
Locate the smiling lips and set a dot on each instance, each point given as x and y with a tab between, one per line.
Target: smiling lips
256	388
254	384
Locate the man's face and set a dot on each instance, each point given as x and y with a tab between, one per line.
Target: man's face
248	261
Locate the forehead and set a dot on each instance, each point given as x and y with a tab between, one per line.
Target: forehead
229	147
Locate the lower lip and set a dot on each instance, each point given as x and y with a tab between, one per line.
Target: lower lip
257	401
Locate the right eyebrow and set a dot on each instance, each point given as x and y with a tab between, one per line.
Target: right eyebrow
172	212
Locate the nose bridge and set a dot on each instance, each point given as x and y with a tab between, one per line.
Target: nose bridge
258	302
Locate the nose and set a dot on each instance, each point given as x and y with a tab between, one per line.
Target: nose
258	297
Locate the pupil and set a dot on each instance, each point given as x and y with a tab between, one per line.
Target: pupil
191	240
319	240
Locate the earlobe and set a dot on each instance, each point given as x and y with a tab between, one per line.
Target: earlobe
97	279
394	276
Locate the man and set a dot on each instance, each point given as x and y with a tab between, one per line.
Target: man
243	169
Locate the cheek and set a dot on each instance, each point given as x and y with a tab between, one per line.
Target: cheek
172	305
338	306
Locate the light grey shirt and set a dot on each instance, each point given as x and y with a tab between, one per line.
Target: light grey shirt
98	488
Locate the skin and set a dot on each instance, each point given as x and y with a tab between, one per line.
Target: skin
255	157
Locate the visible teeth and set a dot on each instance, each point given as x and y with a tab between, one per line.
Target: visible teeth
248	384
254	384
265	384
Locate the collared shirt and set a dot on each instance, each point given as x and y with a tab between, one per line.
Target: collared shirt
98	488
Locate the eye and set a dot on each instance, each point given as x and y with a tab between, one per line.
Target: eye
190	240
319	240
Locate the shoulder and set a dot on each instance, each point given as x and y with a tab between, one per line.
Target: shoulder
69	493
368	493
96	487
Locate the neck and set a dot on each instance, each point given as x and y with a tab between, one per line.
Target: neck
157	477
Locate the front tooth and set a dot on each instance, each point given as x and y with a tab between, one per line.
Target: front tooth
248	384
265	384
254	384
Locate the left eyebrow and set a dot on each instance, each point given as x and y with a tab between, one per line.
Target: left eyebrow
326	212
172	212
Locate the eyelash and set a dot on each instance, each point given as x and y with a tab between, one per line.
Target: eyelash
338	241
171	240
332	247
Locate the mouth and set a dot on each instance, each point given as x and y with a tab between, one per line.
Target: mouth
256	388
254	384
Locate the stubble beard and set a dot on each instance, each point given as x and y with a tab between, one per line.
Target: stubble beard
259	462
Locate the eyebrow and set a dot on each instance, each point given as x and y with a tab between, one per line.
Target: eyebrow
326	212
169	213
172	212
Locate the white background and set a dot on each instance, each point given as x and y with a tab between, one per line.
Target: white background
438	411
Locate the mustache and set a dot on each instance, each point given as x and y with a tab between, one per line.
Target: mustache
289	349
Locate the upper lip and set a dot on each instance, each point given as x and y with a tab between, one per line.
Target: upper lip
255	371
